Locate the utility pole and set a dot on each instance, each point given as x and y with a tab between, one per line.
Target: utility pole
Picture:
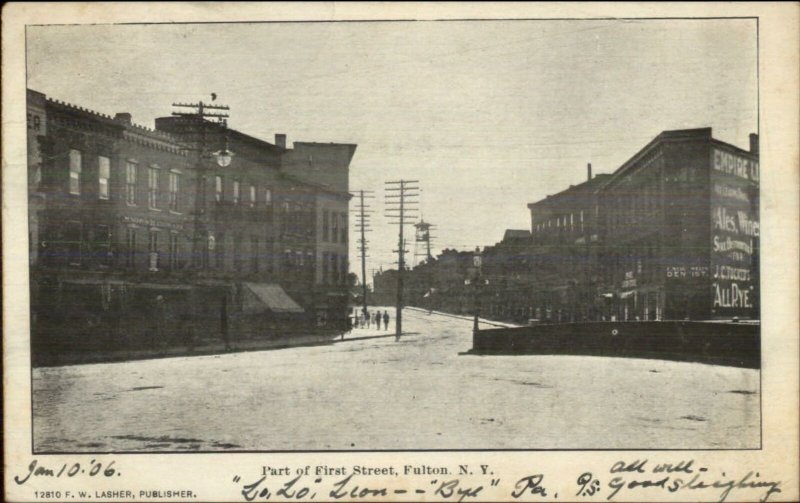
363	225
401	204
198	140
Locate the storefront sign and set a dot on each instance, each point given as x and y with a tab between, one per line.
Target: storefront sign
687	271
151	222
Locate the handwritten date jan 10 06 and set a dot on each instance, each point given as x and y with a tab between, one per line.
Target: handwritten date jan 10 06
68	470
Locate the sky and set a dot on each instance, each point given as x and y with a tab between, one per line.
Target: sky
488	115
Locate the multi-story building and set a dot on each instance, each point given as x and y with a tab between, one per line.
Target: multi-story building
673	233
681	230
137	234
506	270
565	240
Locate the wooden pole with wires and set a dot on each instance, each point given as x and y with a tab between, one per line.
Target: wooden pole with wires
401	205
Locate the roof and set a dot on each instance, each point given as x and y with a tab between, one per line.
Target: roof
269	297
516	234
595	183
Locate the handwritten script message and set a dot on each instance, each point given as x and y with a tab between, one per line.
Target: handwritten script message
640	479
462	482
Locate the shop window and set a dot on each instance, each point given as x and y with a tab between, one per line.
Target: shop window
71	242
101	244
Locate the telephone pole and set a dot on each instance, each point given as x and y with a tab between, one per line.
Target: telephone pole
363	225
401	205
198	140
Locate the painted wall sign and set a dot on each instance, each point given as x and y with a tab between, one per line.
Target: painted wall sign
735	231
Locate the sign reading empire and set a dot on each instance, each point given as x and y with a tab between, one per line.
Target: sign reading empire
735	231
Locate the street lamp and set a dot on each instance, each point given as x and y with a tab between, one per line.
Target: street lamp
476	263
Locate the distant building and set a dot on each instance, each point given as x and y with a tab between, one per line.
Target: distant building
565	242
507	267
673	233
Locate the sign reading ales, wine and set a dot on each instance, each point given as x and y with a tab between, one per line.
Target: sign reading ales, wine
734	233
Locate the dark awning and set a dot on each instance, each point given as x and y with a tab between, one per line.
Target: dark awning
261	297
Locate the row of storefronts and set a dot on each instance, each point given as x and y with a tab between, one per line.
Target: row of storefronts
144	236
673	233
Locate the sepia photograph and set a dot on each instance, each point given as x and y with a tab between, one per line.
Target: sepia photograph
408	235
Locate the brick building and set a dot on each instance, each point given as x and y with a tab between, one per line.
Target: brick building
138	235
565	242
673	233
680	230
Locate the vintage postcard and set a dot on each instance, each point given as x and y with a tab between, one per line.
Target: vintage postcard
415	252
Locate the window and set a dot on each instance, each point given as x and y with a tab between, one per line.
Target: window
103	174
343	269
325	268
343	239
219	252
101	244
73	241
252	195
173	191
335	227
173	251
152	248
130	182
267	196
152	186
254	253
219	194
325	228
236	195
333	268
75	167
130	247
237	252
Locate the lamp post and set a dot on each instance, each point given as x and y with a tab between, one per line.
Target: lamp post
476	263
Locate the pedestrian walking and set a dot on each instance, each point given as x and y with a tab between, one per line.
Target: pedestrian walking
386	320
376	318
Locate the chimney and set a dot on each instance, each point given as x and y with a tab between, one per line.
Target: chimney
753	143
123	117
589	171
280	140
